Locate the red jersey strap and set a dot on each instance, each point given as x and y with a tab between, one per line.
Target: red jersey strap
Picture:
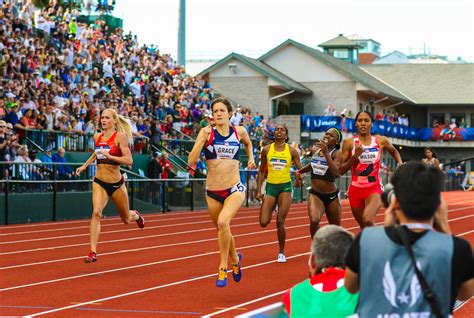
211	138
236	133
376	141
99	139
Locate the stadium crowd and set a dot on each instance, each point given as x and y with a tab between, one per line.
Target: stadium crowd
58	74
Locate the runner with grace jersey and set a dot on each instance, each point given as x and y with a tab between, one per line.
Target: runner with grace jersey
224	191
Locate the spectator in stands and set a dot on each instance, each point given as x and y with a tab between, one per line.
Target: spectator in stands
166	166
403	120
62	75
201	167
324	294
378	264
4	143
379	115
206	121
45	158
4	140
62	171
154	172
237	117
23	168
12	114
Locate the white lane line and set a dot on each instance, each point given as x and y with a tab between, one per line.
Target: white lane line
207	220
158	235
153	247
465	233
139	237
151	236
245	304
170	284
140	265
148	220
178	214
154	288
461	304
281	292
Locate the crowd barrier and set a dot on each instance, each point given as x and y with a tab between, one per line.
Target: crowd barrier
380	127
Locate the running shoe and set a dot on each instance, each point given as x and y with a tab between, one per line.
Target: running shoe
281	258
92	257
222	278
236	270
140	221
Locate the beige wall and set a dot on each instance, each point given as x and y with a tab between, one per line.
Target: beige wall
242	70
250	92
341	95
302	67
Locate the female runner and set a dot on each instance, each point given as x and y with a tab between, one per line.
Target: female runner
111	151
278	158
323	197
224	191
363	155
431	158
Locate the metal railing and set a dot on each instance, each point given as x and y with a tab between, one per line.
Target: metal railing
73	141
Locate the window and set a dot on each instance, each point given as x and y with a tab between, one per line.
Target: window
355	55
436	117
342	54
458	117
296	109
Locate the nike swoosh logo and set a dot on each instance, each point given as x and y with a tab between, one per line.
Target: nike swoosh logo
331	198
116	187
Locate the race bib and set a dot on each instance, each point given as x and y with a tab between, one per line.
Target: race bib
98	151
278	164
370	155
319	167
239	187
226	151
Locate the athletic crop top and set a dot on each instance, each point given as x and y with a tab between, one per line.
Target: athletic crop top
109	145
366	172
320	168
220	147
279	165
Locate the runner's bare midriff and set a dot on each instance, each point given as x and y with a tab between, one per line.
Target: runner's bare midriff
222	174
108	173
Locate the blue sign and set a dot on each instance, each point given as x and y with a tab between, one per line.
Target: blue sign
384	128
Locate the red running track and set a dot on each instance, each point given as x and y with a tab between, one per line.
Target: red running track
167	269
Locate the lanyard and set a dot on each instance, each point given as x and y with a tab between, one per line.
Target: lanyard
420	226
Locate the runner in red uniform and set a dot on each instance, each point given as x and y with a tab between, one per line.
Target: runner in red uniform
111	151
363	154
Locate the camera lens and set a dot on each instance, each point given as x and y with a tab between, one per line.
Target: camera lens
387	194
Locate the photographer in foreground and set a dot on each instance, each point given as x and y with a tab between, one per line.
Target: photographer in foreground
380	266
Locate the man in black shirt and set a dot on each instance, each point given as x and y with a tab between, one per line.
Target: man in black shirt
377	263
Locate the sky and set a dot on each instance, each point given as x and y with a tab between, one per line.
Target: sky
215	28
